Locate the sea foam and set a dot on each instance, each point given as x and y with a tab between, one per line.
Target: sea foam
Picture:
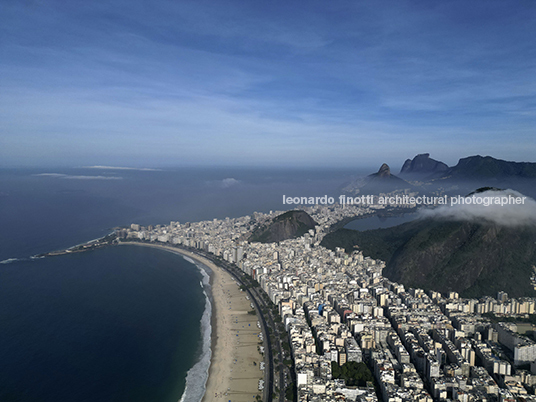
191	262
197	376
9	261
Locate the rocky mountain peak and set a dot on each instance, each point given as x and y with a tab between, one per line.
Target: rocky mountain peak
422	164
385	170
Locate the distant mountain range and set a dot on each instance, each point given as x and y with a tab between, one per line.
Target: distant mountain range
470	168
423	174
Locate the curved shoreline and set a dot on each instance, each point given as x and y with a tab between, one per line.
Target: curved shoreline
234	359
197	375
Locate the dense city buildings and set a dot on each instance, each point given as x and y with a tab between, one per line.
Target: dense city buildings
338	308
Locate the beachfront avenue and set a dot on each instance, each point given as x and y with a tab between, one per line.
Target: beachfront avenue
338	307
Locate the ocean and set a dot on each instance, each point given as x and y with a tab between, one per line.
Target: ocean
122	323
381	222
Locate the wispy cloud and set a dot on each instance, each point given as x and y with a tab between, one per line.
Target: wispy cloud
82	177
77	177
50	174
121	168
225	183
229	182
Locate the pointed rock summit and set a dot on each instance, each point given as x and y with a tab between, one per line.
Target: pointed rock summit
384	171
383	181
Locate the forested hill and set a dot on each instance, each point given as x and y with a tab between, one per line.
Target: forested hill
473	259
288	225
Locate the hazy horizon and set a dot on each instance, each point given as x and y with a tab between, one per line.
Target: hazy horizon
394	165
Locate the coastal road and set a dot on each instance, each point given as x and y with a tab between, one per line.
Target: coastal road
281	366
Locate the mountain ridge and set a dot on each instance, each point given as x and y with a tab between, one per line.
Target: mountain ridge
476	166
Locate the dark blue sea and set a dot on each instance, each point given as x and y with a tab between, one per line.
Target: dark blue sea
122	323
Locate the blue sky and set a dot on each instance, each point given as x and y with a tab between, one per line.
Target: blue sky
269	83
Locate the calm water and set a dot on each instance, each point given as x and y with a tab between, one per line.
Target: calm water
377	222
123	323
99	326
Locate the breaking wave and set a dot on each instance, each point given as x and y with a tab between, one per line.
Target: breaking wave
197	376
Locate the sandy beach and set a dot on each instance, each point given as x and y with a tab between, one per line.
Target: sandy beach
234	372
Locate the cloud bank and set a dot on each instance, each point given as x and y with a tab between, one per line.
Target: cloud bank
511	215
